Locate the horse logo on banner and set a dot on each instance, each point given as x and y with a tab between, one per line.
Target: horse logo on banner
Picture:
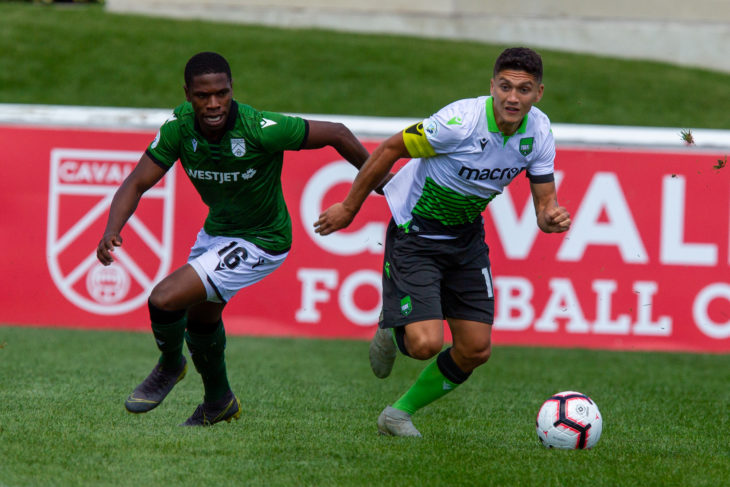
82	185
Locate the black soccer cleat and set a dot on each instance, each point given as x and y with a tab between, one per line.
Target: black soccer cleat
150	393
209	413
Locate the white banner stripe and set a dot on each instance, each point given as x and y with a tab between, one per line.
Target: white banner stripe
146	235
81	225
365	127
79	270
138	274
98	189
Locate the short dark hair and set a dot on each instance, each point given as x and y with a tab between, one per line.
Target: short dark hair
206	63
520	59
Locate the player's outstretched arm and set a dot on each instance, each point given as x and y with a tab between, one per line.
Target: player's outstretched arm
143	177
551	217
339	137
372	174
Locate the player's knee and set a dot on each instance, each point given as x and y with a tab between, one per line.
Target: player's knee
162	297
478	355
482	356
161	316
423	348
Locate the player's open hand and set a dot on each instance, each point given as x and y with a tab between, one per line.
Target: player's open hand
333	218
556	220
106	247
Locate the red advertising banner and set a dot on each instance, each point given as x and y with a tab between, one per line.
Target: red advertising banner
646	264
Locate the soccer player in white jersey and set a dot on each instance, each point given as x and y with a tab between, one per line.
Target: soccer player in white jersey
436	263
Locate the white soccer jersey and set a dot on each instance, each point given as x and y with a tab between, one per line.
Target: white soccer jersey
461	161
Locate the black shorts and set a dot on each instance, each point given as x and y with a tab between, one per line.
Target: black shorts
425	279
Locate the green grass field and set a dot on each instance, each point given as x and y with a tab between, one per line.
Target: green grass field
83	56
309	418
310	405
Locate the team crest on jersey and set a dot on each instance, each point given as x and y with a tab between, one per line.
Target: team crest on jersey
526	145
238	147
431	127
194	142
82	185
156	141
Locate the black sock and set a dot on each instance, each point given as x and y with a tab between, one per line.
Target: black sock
207	344
168	327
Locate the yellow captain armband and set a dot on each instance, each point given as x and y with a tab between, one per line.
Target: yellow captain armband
416	142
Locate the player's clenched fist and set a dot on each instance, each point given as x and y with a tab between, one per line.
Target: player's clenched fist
557	220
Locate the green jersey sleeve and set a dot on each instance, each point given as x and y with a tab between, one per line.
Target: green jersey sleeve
165	148
282	132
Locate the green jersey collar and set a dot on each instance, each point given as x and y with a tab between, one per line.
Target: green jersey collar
492	123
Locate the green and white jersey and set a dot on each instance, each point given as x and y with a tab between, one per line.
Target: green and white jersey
461	161
238	178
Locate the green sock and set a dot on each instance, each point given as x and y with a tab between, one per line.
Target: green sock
429	386
208	353
169	339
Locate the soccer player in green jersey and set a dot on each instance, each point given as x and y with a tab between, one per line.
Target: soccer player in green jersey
233	155
436	261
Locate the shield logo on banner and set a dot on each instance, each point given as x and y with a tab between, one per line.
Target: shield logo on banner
82	185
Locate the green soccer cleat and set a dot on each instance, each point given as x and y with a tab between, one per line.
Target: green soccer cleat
150	393
209	413
382	352
394	422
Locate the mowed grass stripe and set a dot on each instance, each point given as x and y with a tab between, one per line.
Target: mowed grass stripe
310	408
85	56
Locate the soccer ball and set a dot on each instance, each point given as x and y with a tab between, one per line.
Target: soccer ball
569	420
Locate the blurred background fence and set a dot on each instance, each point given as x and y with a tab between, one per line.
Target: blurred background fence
693	33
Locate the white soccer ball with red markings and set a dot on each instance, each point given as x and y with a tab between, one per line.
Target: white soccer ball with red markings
569	420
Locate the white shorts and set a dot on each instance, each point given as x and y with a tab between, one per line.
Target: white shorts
228	264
